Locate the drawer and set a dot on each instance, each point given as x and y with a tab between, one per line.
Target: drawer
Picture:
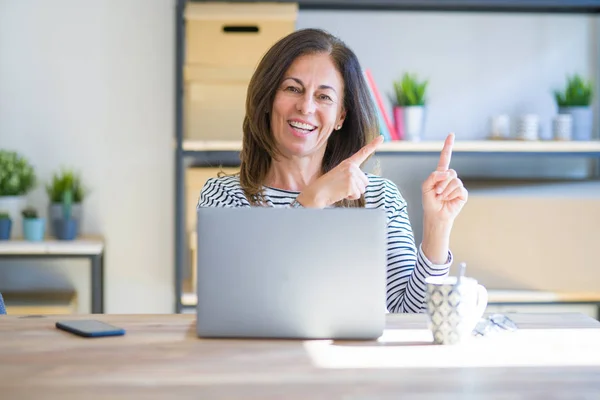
214	110
235	34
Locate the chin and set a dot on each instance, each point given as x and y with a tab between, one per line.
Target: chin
297	150
294	147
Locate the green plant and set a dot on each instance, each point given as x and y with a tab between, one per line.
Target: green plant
4	215
578	92
67	204
410	91
62	182
29	213
17	176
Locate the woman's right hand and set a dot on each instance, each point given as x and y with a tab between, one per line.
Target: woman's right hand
345	181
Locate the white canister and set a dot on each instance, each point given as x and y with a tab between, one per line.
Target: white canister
562	127
528	127
500	127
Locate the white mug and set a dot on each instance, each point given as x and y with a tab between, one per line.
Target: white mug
454	308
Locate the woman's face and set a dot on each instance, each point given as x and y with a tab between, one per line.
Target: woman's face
307	106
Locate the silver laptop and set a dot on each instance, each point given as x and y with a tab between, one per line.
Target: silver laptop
291	273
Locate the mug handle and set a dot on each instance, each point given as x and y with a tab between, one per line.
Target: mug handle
482	301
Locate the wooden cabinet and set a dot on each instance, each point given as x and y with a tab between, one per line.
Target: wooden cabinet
195	180
224	44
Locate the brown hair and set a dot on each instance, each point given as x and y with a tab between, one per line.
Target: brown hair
259	146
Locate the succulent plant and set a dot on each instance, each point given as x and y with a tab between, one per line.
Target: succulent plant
410	91
577	93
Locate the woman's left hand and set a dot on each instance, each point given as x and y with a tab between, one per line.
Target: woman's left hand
443	193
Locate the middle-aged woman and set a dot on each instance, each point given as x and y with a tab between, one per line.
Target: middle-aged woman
310	124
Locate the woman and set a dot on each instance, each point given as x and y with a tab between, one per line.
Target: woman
310	124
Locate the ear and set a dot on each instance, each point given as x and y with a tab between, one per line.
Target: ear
341	119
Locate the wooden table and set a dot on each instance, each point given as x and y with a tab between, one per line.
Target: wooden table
91	249
551	356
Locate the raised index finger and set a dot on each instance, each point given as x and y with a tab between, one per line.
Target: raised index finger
446	154
360	156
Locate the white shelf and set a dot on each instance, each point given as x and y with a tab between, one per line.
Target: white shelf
495	296
475	146
189	299
208	145
535	296
485	146
91	246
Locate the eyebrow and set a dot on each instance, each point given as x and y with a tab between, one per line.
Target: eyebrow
298	81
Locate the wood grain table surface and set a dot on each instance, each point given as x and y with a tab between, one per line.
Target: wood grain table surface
551	356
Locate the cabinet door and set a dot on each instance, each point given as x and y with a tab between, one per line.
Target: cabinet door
195	179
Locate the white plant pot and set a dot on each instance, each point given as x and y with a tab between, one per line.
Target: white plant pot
582	121
414	121
13	205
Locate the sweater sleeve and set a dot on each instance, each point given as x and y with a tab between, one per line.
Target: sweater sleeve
217	193
407	266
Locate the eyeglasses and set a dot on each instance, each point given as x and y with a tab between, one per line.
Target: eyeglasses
494	324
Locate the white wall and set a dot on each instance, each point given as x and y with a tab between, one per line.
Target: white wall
479	65
91	85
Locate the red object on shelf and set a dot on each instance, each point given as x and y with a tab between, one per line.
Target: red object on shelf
399	121
378	99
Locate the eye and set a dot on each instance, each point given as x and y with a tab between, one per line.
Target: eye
325	97
292	89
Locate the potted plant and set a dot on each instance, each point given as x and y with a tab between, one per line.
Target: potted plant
576	100
5	225
34	227
66	227
66	194
17	178
409	106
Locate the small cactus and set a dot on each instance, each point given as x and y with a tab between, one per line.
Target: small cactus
67	203
29	213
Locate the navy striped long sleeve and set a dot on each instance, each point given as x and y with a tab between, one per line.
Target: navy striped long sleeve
407	266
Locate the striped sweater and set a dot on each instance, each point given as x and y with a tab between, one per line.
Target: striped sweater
407	267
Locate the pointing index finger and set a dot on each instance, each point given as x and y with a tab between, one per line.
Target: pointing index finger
446	154
360	156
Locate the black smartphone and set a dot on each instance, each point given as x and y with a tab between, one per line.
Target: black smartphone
90	328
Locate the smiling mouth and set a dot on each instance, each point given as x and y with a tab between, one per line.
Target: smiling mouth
301	127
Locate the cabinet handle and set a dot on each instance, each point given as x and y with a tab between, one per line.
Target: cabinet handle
240	29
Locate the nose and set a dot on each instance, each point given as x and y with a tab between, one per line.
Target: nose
306	104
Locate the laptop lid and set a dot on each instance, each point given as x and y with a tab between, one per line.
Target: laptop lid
291	273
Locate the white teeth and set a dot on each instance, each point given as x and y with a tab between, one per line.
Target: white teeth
300	125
